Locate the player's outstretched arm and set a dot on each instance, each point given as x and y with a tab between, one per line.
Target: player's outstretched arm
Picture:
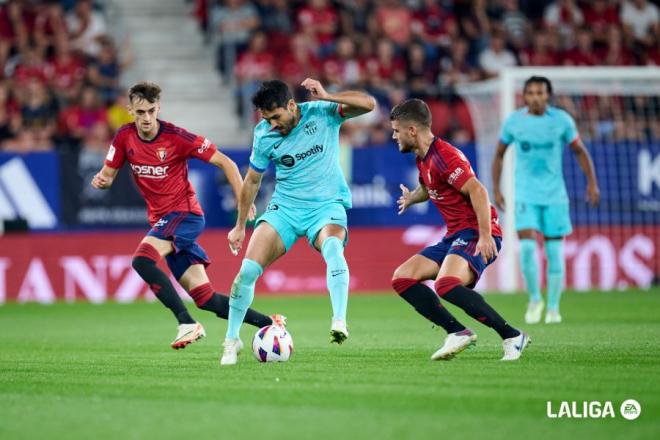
353	103
497	174
587	164
104	178
409	198
234	177
481	205
246	198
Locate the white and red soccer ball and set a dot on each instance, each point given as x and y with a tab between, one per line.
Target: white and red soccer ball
272	343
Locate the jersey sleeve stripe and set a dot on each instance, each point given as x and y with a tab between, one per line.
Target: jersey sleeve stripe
438	161
256	168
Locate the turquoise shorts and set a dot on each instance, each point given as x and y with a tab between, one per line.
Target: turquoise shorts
551	220
292	223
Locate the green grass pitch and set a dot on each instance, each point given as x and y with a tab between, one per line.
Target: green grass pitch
95	372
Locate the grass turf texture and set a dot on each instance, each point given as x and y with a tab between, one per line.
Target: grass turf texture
85	371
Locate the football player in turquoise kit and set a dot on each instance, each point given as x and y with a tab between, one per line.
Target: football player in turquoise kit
471	244
310	199
539	133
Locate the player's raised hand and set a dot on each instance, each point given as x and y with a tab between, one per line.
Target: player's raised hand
486	247
315	88
593	195
405	200
101	182
252	214
236	237
499	199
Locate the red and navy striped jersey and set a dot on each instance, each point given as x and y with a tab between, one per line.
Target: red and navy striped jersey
160	166
443	171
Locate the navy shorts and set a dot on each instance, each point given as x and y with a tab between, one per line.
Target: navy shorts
462	243
182	229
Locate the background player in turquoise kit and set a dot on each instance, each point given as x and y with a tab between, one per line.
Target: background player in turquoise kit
540	132
310	199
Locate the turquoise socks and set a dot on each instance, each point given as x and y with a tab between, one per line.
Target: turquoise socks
556	269
530	268
242	294
336	275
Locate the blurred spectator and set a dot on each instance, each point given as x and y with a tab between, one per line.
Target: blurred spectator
38	108
31	65
496	57
86	28
28	140
298	63
103	72
10	116
65	72
641	19
97	138
582	54
118	114
233	23
420	73
343	67
357	18
49	26
435	26
563	16
395	21
253	67
616	54
540	53
455	68
319	21
13	29
514	24
77	119
599	17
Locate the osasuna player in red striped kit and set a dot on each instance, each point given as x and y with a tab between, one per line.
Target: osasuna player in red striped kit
157	153
471	244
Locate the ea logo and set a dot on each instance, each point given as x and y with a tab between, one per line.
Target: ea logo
287	161
525	146
630	409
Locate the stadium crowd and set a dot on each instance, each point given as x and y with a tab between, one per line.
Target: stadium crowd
59	77
423	48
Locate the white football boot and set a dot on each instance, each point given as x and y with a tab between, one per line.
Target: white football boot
513	347
534	310
454	344
233	348
552	317
188	333
338	331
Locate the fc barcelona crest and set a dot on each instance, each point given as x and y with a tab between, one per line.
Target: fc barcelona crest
162	154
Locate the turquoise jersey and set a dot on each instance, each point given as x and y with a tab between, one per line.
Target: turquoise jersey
539	143
306	160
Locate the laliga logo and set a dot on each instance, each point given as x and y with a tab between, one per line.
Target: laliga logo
630	409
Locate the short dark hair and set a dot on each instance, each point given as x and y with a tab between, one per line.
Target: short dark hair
144	90
538	80
414	110
272	94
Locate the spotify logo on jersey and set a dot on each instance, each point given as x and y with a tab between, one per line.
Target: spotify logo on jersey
288	161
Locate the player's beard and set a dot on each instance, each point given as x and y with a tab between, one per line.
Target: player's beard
405	147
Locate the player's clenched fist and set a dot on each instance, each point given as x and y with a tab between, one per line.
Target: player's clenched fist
101	182
236	237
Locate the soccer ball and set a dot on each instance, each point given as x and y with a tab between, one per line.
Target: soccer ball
272	343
